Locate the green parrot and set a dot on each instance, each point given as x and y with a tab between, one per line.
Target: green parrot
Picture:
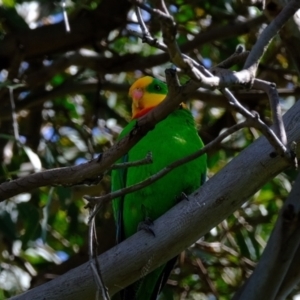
173	138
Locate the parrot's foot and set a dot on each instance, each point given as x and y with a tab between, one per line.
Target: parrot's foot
146	225
183	196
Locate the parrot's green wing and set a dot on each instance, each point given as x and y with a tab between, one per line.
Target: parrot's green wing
171	139
118	181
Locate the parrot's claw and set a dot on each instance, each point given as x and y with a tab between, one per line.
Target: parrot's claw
146	225
184	196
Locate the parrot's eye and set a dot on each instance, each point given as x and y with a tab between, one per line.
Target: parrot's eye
158	87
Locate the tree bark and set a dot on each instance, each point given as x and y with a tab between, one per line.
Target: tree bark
181	226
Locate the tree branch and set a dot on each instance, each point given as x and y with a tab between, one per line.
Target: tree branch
130	189
204	78
292	277
208	206
86	27
89	172
290	33
271	91
267	35
271	270
251	97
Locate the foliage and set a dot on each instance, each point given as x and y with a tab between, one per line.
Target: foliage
71	103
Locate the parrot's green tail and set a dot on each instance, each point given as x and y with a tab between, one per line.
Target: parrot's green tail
148	287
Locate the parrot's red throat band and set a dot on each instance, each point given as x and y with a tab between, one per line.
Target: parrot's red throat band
142	112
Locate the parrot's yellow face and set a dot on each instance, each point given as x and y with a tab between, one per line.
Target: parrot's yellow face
146	93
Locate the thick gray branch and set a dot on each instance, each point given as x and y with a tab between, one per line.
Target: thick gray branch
268	34
208	206
268	276
291	279
290	33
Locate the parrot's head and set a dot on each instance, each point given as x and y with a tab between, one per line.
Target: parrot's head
146	93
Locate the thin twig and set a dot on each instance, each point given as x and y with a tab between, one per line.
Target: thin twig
14	115
257	122
141	22
46	209
218	247
270	89
162	6
65	15
209	282
237	57
147	160
93	260
148	39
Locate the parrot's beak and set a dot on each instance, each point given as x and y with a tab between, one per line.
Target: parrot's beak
137	94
